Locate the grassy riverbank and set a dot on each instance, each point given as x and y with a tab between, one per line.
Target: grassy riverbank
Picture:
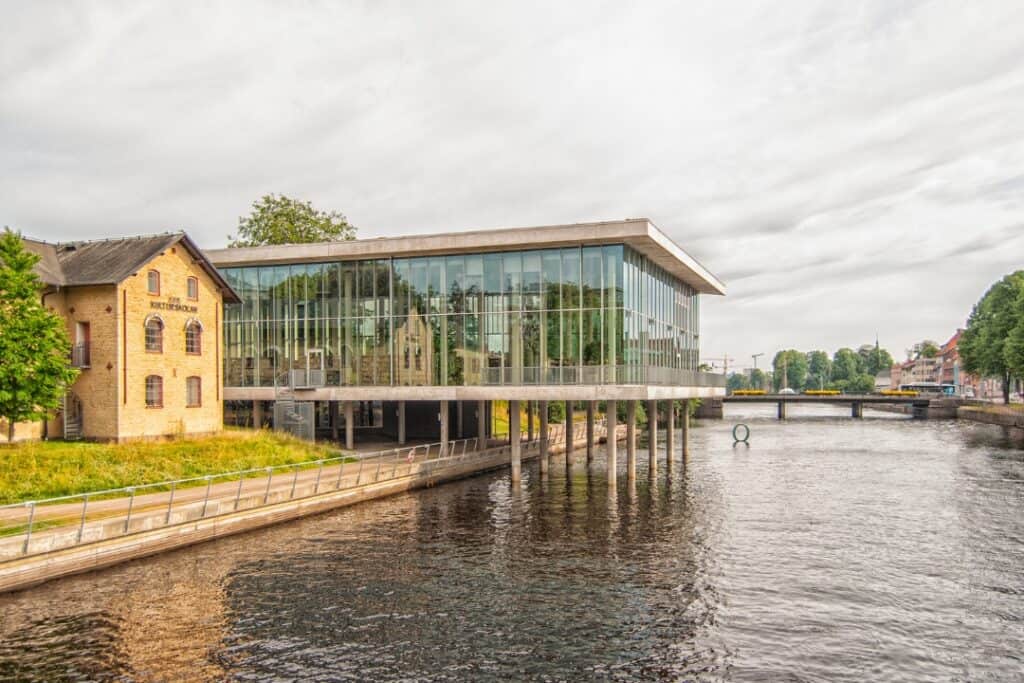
46	469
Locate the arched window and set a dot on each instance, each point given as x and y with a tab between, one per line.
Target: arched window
193	337
154	334
154	391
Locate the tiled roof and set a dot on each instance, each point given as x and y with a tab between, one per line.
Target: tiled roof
110	261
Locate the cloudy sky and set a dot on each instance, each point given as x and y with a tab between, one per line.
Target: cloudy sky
846	168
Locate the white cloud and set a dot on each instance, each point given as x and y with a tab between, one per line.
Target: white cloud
847	168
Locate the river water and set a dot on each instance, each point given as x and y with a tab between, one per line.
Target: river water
829	549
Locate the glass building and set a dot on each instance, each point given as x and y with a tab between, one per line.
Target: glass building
571	315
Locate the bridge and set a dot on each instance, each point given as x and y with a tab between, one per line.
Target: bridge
921	407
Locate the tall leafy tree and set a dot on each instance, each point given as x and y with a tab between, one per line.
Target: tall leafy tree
34	345
986	347
1014	351
819	369
758	380
876	360
737	380
846	365
277	219
790	370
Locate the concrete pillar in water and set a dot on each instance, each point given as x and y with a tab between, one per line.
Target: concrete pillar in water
631	440
350	425
460	418
685	432
542	406
481	422
652	436
332	408
858	409
257	414
782	410
569	437
514	432
591	409
401	423
612	446
529	421
670	434
442	415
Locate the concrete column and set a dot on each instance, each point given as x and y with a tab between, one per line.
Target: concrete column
685	433
631	440
529	420
257	414
591	409
514	433
332	408
460	418
481	422
857	409
442	414
350	426
543	407
569	437
670	433
652	438
401	423
782	410
612	446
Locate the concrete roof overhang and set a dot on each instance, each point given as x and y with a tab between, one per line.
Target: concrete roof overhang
639	233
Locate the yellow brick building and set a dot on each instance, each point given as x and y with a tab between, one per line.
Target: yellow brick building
144	316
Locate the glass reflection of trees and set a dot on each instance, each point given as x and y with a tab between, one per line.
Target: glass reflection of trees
576	314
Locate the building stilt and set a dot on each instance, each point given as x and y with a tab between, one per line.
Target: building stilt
569	436
401	423
670	434
631	440
612	446
350	425
443	418
591	408
652	437
514	433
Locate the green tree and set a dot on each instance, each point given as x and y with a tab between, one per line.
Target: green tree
874	359
790	365
819	370
846	365
736	381
34	345
861	384
926	349
758	380
277	219
1015	344
987	346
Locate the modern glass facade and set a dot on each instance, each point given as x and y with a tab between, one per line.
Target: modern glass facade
575	315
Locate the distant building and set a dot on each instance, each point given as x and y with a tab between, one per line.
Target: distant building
144	315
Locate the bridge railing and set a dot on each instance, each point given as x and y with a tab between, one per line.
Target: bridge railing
39	526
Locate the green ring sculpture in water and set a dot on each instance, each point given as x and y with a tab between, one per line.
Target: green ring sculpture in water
746	434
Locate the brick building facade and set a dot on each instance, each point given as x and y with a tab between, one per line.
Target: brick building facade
144	316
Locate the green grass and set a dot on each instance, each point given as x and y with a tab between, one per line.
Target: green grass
47	469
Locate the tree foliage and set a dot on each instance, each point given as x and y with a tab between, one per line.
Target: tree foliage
277	219
34	345
992	343
819	370
790	370
737	381
758	379
846	365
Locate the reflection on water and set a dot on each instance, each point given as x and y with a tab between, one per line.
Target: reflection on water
829	549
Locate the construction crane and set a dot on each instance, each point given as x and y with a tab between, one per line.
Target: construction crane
755	357
725	360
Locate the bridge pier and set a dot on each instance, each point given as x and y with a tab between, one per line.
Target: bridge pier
857	409
782	410
631	440
514	435
612	446
684	434
591	408
652	437
569	437
542	406
670	431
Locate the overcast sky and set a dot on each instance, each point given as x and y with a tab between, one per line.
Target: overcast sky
846	168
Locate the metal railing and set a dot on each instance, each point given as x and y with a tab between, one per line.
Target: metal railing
80	356
40	526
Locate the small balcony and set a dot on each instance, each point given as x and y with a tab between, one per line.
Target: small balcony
80	355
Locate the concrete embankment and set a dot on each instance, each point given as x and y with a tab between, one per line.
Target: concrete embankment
993	415
191	527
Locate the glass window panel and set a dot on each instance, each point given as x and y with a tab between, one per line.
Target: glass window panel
456	280
551	265
492	274
570	278
593	263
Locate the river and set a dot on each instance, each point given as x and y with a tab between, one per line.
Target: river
829	549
